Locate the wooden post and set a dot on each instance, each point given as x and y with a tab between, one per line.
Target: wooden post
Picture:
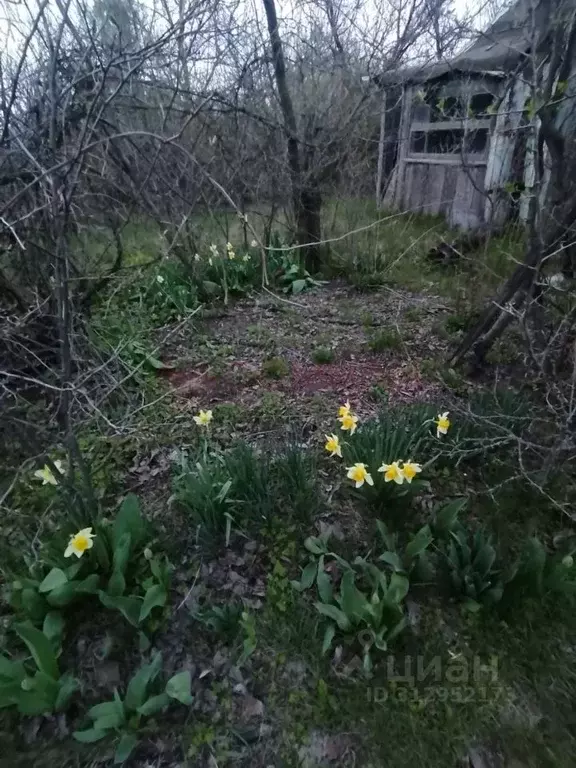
381	151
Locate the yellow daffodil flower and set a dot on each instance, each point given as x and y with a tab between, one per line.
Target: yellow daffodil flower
392	472
348	422
203	419
79	543
360	475
229	247
410	470
442	423
47	476
333	445
344	410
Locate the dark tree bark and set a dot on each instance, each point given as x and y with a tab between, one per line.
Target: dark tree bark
306	197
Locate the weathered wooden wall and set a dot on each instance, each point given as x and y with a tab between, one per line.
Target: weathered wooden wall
446	188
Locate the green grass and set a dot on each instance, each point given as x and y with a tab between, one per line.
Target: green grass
388	338
275	368
323	355
392	248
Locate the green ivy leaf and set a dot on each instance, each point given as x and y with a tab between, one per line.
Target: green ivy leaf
129	520
335	614
129	607
154	704
328	637
137	686
126	745
40	648
89	736
56	578
179	687
155	597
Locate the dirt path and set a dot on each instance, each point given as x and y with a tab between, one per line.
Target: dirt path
375	346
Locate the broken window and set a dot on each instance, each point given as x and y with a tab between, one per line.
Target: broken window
418	141
477	140
443	141
480	105
450	118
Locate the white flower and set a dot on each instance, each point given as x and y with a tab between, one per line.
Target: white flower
159	279
47	476
254	244
196	257
79	543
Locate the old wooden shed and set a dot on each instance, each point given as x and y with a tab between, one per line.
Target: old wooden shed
462	146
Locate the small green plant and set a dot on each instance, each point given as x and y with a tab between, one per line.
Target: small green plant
413	314
287	270
412	559
388	338
250	640
323	355
115	569
469	563
373	617
243	488
294	480
536	574
275	368
221	619
42	691
367	319
122	718
203	490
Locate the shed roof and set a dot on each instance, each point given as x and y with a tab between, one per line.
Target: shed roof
494	52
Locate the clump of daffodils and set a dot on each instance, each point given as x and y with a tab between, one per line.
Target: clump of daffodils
359	475
400	471
203	418
348	420
230	251
79	543
47	476
333	445
442	423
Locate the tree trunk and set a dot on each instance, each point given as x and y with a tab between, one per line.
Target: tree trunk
306	198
